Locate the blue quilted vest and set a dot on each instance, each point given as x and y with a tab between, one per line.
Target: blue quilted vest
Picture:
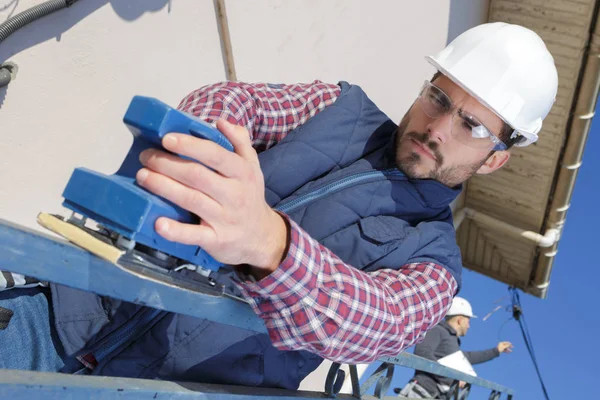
335	176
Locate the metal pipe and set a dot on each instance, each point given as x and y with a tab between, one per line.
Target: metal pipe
459	217
546	240
573	154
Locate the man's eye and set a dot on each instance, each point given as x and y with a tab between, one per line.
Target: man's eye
467	125
468	121
438	102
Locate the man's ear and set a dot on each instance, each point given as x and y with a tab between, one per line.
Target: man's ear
494	162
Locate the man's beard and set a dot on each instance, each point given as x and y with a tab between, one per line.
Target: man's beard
449	176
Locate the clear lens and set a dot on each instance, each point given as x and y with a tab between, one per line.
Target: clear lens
466	128
434	102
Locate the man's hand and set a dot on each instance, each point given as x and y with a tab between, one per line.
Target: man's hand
505	347
226	191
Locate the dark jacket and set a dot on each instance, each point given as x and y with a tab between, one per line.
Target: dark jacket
440	342
384	221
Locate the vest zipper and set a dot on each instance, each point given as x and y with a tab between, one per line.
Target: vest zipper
117	338
336	186
126	333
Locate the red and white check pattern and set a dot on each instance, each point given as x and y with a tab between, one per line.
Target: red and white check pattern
268	111
314	301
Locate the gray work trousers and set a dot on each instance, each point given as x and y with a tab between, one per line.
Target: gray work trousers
413	390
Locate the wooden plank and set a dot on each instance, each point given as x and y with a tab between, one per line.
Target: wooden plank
525	192
571	12
515	280
509	248
504	253
481	242
508	14
518	193
564	7
501	185
472	240
524	217
488	254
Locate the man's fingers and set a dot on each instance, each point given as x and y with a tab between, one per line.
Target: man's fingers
239	138
185	197
505	347
204	151
189	173
200	235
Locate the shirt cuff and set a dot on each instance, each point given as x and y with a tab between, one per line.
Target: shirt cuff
293	280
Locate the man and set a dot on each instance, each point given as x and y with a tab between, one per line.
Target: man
336	219
444	340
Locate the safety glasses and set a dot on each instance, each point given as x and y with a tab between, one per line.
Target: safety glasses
466	128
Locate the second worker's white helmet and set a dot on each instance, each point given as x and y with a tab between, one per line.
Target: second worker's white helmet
461	306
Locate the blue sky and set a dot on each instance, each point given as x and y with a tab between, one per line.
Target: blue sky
564	326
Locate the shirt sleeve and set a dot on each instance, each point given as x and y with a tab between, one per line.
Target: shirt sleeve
478	357
268	111
313	301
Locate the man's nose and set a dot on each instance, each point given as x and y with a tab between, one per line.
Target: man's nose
440	128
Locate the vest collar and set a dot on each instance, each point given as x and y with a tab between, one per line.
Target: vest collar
432	193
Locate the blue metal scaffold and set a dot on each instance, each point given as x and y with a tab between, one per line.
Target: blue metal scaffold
48	258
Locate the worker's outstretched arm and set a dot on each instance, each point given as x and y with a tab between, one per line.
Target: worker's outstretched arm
478	357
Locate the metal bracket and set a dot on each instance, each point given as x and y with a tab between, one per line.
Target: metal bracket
382	382
11	67
8	73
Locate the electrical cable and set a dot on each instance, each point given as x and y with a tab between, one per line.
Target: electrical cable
517	311
502	328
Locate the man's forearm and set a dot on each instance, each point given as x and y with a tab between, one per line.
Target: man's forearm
314	301
478	357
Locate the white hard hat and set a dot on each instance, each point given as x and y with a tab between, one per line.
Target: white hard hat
508	69
461	306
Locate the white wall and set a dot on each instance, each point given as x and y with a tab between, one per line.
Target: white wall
79	68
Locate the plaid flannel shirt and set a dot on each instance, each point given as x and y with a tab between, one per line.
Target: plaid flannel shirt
313	300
